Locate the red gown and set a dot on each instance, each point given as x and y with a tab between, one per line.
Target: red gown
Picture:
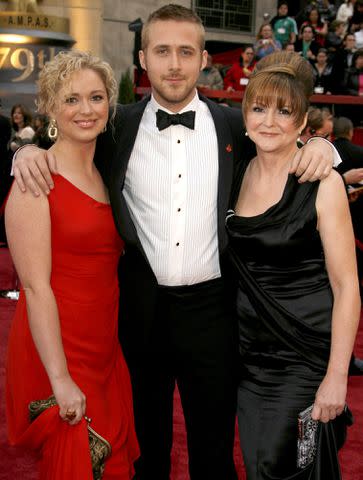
85	253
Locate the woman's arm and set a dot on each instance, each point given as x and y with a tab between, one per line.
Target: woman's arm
28	228
336	232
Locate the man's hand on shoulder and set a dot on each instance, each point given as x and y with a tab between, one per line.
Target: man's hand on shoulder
313	161
32	168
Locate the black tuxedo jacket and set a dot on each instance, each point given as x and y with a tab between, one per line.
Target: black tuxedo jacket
138	285
351	154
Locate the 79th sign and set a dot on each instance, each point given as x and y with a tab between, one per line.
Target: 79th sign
23	63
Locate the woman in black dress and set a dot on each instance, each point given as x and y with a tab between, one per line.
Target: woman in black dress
292	248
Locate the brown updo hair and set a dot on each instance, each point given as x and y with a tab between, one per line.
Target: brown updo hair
281	79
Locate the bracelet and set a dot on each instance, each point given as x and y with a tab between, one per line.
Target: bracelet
15	154
23	146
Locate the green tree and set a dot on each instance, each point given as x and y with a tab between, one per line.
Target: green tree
126	92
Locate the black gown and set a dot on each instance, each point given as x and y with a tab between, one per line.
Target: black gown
284	305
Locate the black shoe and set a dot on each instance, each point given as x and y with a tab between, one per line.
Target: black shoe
356	367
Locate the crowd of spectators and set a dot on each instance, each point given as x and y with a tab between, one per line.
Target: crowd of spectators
329	37
20	129
24	128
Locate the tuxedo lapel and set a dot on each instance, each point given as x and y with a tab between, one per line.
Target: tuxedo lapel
225	166
131	118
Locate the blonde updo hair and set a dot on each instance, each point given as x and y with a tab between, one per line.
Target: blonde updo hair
281	79
57	72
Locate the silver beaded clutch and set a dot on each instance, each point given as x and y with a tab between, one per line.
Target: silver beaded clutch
307	438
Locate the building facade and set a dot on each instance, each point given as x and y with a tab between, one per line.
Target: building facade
118	41
31	32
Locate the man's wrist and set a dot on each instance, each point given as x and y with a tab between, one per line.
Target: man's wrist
336	157
16	153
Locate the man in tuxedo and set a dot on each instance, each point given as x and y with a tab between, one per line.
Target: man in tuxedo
350	153
168	163
352	170
342	60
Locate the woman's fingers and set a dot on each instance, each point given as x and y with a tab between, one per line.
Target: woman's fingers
325	413
73	412
316	412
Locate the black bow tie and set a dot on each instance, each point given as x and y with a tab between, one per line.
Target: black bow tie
165	119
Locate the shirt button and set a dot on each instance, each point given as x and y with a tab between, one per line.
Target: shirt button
178	141
179	175
179	209
177	244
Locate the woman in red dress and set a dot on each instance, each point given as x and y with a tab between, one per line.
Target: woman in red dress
237	76
63	343
319	27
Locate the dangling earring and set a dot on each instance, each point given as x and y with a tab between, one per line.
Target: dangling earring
53	130
246	133
104	128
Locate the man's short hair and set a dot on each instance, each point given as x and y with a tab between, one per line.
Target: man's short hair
174	12
342	127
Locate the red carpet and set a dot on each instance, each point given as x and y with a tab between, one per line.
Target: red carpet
15	465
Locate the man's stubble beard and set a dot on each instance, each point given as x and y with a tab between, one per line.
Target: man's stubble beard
178	97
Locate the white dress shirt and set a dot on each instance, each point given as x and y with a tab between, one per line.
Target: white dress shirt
171	189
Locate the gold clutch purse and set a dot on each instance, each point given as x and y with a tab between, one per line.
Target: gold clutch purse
100	448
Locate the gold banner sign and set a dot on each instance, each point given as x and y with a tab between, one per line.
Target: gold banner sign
33	21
